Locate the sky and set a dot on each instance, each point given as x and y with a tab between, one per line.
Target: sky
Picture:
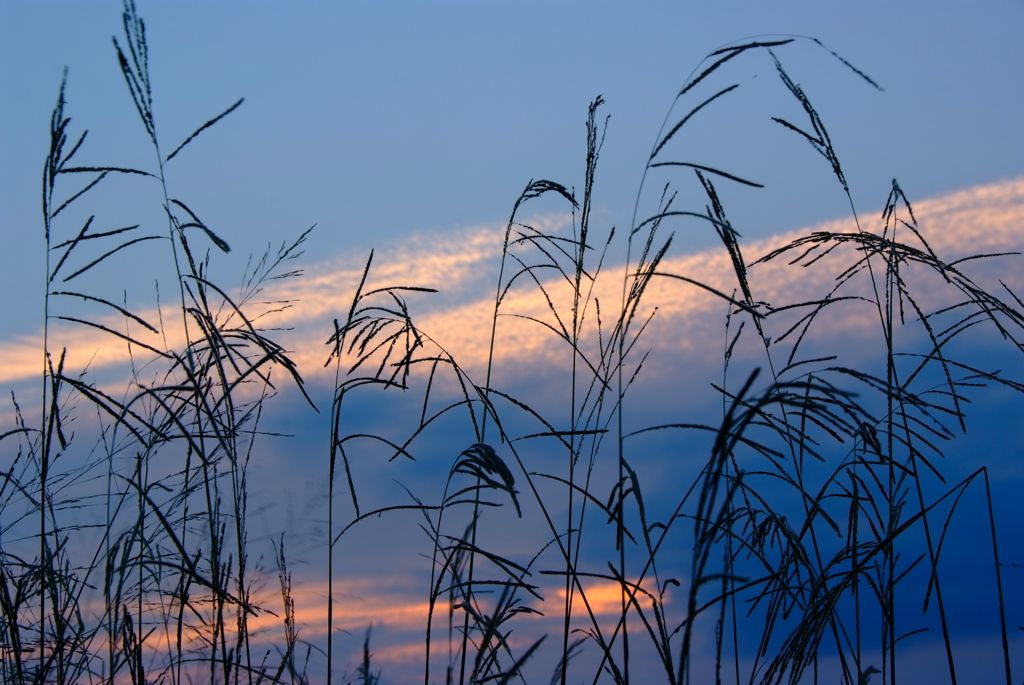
412	129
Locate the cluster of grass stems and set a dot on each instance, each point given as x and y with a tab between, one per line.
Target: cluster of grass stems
818	499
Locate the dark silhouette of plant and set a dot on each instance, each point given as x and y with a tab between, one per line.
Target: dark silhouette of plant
818	508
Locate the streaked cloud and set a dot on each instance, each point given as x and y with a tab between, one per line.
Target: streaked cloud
462	265
397	617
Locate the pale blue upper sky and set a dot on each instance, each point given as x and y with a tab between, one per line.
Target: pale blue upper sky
375	120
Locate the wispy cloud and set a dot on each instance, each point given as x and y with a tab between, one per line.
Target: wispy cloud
462	266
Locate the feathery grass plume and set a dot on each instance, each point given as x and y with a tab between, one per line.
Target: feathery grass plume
154	584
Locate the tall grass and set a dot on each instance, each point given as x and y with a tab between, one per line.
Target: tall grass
818	513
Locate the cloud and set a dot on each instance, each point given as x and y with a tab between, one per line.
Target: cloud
985	219
462	265
686	336
398	617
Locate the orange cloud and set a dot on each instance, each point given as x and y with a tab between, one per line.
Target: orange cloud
399	612
463	266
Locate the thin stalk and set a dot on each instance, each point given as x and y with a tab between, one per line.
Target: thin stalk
999	579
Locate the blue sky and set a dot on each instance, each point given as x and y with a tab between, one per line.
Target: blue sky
412	128
374	123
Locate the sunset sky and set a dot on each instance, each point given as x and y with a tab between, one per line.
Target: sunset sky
412	130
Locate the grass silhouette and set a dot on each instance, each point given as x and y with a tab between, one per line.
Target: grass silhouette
819	507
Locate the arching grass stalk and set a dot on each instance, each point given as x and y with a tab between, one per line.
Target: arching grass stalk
534	189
